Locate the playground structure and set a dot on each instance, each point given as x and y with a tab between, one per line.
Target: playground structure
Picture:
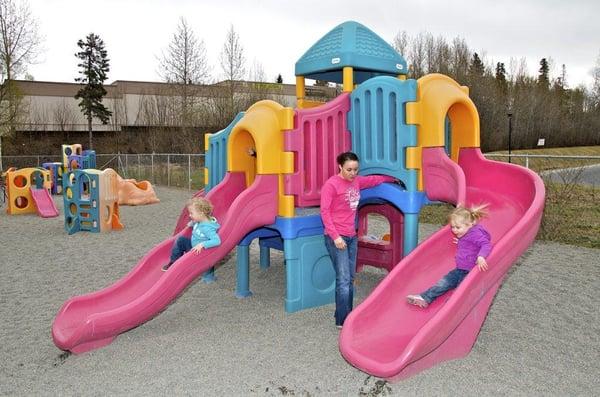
28	191
132	192
423	132
91	201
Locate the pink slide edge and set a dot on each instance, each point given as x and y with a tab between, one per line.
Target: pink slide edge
514	242
44	204
79	333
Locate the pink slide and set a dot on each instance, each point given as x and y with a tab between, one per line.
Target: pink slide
91	321
43	203
387	337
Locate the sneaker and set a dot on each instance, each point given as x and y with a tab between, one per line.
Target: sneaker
166	267
338	326
417	300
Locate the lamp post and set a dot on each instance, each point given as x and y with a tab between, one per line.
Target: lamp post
509	114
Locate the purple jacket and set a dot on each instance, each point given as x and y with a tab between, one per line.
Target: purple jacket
476	242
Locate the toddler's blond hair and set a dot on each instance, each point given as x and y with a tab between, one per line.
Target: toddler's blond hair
202	205
468	215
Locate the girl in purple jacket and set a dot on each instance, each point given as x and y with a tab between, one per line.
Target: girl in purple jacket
474	246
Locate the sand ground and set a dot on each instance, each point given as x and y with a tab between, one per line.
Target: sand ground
541	337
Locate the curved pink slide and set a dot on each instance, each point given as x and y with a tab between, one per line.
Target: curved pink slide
43	203
387	337
91	321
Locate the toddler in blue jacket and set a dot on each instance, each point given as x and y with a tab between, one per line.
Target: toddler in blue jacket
204	231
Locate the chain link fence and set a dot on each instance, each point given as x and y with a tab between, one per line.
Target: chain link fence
166	169
187	170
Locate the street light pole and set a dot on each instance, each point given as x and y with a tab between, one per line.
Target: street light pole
509	114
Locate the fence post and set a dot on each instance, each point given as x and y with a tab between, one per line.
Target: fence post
168	170
139	168
189	172
152	167
38	160
526	161
126	166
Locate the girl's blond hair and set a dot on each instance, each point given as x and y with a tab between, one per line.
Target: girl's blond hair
468	215
201	204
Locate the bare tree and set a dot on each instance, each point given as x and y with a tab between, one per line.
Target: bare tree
257	72
19	47
19	38
184	61
596	84
64	116
400	42
233	64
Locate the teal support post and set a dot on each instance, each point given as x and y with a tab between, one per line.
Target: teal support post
265	258
411	232
242	289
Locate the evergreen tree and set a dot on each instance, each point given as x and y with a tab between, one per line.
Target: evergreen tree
543	79
501	77
500	72
93	69
476	68
279	79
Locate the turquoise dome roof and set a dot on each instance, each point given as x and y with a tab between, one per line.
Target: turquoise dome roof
350	44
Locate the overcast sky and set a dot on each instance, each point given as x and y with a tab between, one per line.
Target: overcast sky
276	33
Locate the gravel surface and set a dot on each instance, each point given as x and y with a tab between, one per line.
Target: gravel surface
541	336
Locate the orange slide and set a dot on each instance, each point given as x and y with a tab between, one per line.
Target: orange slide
132	192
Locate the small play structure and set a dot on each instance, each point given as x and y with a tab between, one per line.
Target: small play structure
132	192
91	201
28	191
423	132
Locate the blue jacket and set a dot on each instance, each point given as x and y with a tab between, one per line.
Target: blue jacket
206	233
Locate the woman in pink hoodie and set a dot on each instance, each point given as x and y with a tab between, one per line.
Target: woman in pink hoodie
339	201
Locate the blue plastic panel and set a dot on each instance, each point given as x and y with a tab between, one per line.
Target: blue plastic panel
377	123
216	154
309	273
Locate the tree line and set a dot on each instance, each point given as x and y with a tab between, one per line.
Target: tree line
541	106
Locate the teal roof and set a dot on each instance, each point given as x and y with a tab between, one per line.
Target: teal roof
350	44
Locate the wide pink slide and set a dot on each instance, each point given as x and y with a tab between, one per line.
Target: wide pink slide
389	338
43	203
93	320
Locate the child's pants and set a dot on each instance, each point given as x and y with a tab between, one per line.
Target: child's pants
448	282
181	246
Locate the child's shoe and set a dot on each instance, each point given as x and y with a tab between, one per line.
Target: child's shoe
417	300
166	266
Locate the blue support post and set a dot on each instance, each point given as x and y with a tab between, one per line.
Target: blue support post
242	288
265	258
411	232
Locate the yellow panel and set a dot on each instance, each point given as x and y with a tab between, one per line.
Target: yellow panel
306	104
261	129
286	203
438	96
